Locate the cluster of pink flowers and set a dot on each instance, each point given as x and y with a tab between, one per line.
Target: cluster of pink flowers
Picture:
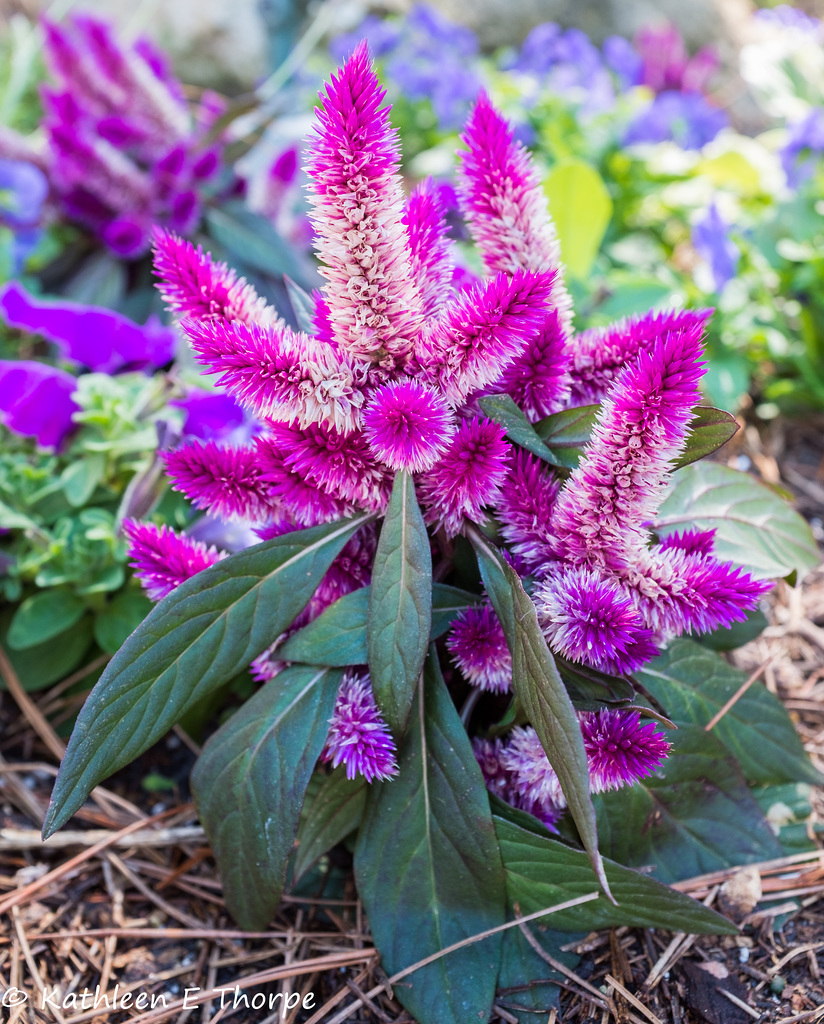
123	149
389	381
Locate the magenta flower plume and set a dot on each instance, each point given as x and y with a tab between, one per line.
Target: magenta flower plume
599	354
408	425
341	465
525	506
620	750
224	481
429	248
195	285
478	646
533	777
162	559
591	620
600	517
694	542
538	379
357	199
482	330
468	476
278	373
489	755
505	204
358	736
300	499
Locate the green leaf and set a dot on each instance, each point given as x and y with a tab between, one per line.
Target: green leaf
709	430
787	808
119	618
303	305
728	638
695	815
428	867
194	640
506	413
249	784
581	207
754	526
590	689
539	688
541	872
530	977
332	813
44	616
400	605
570	428
693	683
47	663
338	635
80	478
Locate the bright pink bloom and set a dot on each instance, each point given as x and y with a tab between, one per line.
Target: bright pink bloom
408	425
301	499
591	620
468	477
620	750
429	248
358	736
477	643
195	285
279	373
695	542
600	353
525	506
357	199
224	481
505	204
538	379
482	331
163	559
533	777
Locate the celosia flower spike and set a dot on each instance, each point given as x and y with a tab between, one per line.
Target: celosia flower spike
408	425
477	643
358	736
600	353
620	750
591	620
482	331
538	380
357	200
506	206
524	508
533	777
302	500
162	559
195	285
429	248
224	481
277	372
468	477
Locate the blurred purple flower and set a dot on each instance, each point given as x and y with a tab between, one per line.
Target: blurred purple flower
785	16
685	118
803	148
36	400
23	190
711	240
99	339
666	65
214	416
382	35
622	58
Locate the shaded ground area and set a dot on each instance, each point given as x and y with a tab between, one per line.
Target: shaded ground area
130	897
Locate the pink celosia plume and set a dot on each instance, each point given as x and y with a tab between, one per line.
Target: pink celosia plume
163	559
408	425
478	646
429	247
225	481
358	736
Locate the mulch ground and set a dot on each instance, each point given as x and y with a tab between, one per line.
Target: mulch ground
128	903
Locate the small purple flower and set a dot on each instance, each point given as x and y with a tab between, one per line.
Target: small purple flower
685	118
802	151
97	338
358	736
163	559
711	240
36	401
533	777
214	416
624	60
408	425
478	646
467	477
620	750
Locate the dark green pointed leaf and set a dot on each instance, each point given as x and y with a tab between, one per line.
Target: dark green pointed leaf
332	813
693	683
506	413
400	605
539	688
428	867
696	814
194	640
728	638
338	635
44	616
525	981
589	689
541	872
567	432
710	429
754	526
250	781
